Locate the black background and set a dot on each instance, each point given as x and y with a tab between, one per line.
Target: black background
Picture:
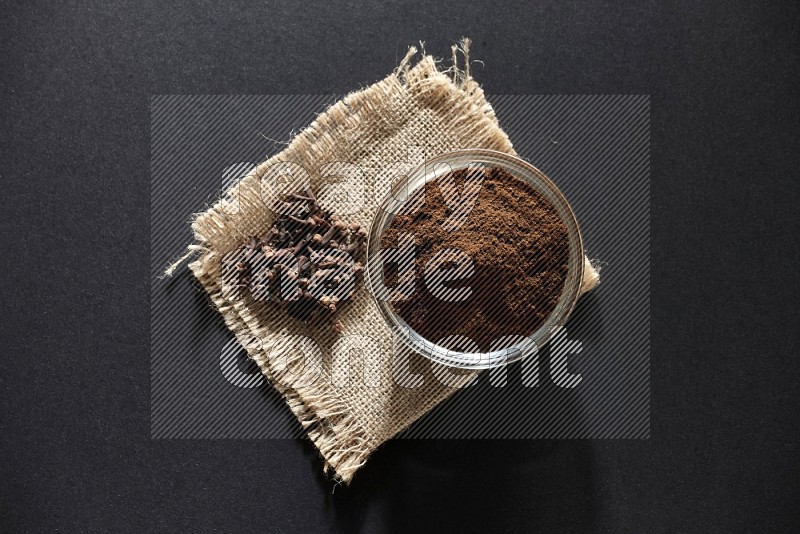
75	447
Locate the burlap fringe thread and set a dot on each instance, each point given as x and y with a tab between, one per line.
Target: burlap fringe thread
332	427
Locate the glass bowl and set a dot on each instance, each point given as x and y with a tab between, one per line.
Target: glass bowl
402	192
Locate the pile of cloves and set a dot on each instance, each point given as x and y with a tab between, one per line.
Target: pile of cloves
309	261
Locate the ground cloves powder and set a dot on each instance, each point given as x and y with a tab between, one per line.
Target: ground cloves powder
519	248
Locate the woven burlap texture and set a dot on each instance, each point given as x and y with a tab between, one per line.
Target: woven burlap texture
420	105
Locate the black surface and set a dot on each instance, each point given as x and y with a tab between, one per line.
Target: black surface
74	138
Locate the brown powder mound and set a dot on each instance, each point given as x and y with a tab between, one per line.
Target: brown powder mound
519	249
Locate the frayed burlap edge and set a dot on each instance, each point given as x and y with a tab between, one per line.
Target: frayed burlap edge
341	440
326	420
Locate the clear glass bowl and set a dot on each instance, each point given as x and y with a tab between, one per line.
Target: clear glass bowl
394	202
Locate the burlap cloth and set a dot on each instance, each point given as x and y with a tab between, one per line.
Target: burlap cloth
349	412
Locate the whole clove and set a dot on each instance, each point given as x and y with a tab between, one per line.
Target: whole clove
308	261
